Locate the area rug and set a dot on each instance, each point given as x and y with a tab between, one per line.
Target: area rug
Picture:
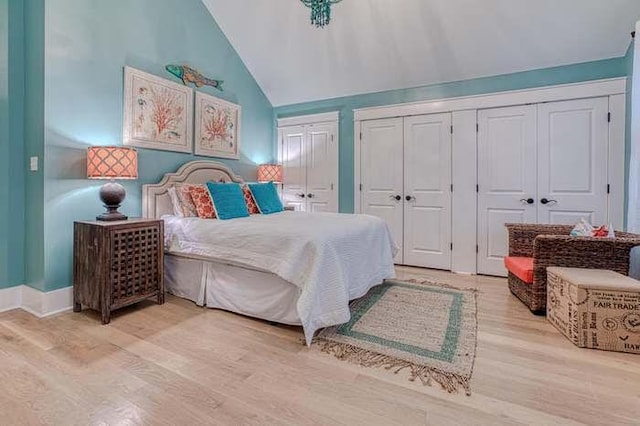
427	328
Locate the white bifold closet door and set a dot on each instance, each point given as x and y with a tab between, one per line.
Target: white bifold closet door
309	156
544	163
506	179
406	180
322	168
427	188
293	157
573	146
382	163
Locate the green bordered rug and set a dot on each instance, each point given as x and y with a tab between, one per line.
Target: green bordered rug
427	328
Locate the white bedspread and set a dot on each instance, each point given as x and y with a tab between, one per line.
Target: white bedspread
328	256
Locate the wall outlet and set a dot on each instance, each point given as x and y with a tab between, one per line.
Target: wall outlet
33	164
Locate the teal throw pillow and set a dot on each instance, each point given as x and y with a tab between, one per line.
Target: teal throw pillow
228	200
266	196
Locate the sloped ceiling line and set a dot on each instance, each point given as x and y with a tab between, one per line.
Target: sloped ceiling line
376	45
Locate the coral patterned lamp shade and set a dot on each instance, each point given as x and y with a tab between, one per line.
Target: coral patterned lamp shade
112	162
270	173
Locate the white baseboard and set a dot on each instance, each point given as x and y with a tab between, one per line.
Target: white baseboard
10	298
43	304
464	273
36	302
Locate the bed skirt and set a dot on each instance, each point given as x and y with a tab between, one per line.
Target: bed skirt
232	288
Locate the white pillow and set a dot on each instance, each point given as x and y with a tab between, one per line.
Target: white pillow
175	202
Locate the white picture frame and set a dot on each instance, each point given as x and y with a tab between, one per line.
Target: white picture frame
217	127
158	113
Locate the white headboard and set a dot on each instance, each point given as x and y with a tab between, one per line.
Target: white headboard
155	198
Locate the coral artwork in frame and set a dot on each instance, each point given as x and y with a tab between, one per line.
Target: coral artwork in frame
158	113
217	129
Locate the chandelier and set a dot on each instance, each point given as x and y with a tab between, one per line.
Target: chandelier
320	11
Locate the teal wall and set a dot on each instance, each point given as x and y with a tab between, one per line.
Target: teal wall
628	59
64	93
523	80
87	44
633	155
5	139
17	167
11	143
34	141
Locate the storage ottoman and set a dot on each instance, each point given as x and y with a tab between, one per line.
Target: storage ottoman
595	308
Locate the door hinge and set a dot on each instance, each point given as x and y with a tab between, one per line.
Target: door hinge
331	138
452	129
477	127
608	188
332	187
477	249
451	187
360	187
609	117
477	188
360	135
451	246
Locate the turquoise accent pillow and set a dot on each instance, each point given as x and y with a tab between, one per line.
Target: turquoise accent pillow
228	200
266	196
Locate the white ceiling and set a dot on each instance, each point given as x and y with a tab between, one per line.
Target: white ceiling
375	45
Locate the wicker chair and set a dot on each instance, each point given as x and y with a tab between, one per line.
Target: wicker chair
551	245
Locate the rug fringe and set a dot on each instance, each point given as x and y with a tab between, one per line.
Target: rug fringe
437	284
450	382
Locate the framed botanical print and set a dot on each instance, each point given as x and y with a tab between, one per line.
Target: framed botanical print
217	128
158	113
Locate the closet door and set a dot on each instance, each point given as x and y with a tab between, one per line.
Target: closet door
322	168
293	160
507	188
381	149
573	140
427	191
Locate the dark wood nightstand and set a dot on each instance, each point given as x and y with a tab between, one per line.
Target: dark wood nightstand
116	264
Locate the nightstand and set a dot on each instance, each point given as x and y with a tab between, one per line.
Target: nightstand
116	264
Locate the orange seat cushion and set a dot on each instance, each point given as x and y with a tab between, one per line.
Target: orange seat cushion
521	267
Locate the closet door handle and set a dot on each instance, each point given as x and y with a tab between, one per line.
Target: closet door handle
527	201
395	197
545	201
301	195
409	197
309	195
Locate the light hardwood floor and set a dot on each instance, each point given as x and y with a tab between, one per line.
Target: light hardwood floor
179	364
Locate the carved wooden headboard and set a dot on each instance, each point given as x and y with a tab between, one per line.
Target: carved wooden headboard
155	198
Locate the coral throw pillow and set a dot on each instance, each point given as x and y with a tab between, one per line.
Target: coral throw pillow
202	200
185	201
248	198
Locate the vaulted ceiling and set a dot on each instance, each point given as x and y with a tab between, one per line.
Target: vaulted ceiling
375	45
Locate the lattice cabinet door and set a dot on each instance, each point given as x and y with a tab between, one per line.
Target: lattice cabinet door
117	264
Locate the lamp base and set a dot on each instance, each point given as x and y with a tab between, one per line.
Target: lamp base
111	216
112	195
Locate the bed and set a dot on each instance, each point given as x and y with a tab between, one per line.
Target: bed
291	267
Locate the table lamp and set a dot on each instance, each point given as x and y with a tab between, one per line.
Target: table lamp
270	173
112	162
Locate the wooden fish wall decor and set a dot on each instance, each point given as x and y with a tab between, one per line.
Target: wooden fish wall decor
189	75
